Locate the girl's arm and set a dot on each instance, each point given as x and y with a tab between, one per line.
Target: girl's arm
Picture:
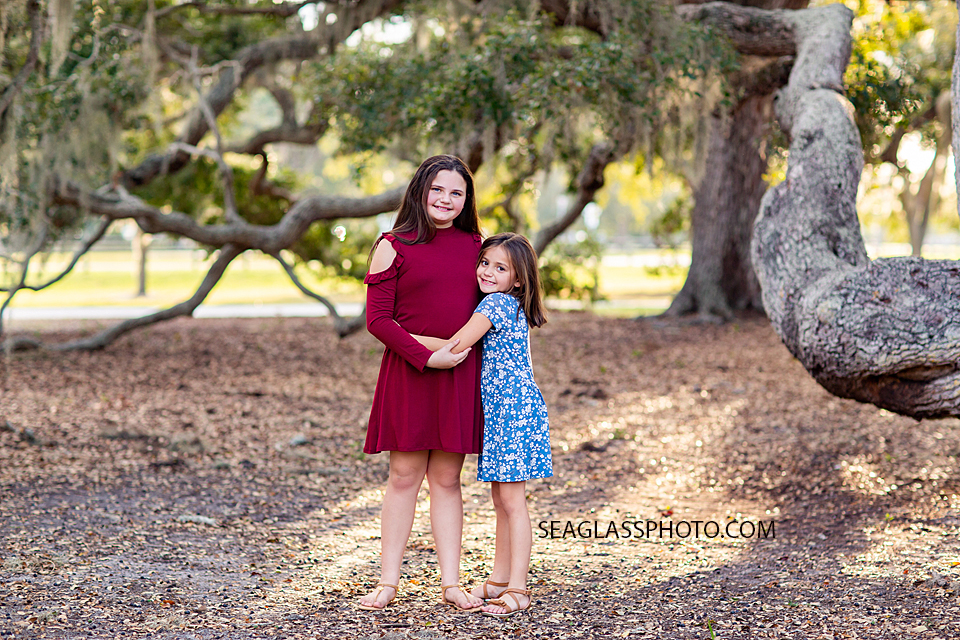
434	344
462	340
381	305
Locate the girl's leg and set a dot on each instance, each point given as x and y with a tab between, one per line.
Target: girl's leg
501	557
446	521
407	469
513	499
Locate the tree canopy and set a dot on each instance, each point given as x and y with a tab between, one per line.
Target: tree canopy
132	110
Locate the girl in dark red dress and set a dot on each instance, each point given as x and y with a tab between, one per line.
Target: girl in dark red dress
426	409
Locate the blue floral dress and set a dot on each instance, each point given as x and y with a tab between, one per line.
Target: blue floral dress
516	435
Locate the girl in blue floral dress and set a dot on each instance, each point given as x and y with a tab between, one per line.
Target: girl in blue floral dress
516	438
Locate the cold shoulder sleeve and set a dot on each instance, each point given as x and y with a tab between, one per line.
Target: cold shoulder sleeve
381	311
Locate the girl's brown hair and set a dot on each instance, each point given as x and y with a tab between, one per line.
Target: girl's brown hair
413	217
524	261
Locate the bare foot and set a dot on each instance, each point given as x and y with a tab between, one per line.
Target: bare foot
379	597
511	601
461	598
489	589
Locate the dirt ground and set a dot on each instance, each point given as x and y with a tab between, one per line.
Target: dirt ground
205	479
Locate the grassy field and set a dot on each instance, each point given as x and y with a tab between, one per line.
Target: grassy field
641	282
107	278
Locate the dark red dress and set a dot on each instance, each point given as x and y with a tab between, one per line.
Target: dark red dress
430	290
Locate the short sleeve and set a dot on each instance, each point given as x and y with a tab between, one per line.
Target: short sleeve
394	269
499	308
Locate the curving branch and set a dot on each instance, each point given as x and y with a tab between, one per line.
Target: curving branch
321	40
589	182
79	253
106	337
25	270
288	131
886	331
752	31
119	205
231	213
343	326
280	10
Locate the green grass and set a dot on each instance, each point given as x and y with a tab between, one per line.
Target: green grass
108	279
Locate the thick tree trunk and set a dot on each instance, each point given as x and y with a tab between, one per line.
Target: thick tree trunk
721	278
885	332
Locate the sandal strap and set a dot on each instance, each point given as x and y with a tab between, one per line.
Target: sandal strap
491	583
500	603
382	585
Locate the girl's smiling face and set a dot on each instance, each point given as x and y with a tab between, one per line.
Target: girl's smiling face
446	197
495	272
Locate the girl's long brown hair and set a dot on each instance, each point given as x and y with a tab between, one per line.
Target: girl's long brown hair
523	258
413	218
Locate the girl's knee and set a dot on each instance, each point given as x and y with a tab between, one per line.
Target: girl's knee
405	475
404	482
446	480
511	499
443	471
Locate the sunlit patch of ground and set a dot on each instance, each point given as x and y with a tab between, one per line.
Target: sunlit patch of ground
205	480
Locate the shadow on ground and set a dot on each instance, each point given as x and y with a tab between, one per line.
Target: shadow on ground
203	479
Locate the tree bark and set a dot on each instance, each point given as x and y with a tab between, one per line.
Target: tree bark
885	332
721	280
955	103
140	245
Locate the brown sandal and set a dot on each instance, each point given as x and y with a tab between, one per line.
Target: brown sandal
486	596
499	602
443	597
380	587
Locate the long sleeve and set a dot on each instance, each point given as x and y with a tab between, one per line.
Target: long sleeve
381	301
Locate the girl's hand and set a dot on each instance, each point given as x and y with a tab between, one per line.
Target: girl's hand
445	359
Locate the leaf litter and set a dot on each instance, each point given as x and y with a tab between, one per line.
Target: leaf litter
205	479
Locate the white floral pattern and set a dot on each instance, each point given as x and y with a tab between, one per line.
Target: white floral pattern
516	431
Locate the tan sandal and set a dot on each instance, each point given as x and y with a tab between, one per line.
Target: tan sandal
499	602
486	596
443	597
380	587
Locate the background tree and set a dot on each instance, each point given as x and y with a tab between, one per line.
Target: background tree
131	113
898	81
726	197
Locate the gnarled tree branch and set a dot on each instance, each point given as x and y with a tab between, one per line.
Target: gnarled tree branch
301	47
104	338
589	182
281	10
885	332
343	326
119	205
